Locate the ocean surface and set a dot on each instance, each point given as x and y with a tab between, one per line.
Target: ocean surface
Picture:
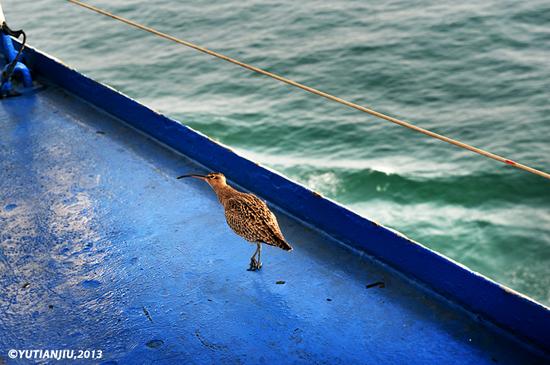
477	71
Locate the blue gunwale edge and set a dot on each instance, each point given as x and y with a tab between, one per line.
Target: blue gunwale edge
515	313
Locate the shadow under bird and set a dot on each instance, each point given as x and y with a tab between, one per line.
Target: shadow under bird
247	215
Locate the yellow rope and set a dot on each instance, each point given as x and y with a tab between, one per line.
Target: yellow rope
317	92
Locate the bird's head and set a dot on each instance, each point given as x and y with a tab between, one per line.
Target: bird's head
214	179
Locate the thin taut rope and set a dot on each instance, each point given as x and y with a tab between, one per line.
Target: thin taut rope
317	92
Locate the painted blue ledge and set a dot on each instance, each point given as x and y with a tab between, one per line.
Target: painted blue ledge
517	316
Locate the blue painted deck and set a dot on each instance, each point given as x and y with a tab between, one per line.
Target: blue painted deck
102	248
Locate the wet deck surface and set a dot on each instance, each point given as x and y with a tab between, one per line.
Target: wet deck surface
102	248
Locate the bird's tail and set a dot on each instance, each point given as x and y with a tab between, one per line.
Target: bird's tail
281	243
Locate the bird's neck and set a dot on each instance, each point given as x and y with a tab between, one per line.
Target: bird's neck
224	192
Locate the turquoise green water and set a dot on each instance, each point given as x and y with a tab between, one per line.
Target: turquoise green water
478	71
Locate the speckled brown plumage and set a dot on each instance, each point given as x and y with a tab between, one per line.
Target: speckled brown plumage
247	215
251	219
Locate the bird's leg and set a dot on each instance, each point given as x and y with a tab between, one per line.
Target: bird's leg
259	249
253	262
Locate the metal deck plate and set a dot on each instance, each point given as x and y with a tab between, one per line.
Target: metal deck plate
102	248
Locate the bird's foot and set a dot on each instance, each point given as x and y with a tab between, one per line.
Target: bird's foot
254	265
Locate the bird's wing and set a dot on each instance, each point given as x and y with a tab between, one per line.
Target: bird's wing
250	218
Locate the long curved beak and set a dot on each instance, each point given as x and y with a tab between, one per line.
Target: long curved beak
202	177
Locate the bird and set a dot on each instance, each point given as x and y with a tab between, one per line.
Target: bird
247	215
